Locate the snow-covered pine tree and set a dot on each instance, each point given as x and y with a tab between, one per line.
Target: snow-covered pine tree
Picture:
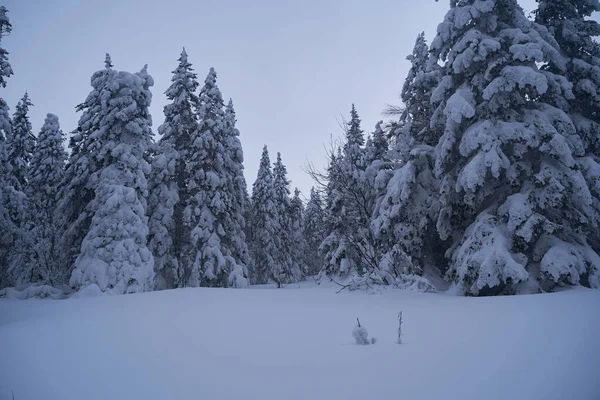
37	250
20	144
313	232
285	270
77	189
264	224
6	224
210	207
169	238
513	200
113	254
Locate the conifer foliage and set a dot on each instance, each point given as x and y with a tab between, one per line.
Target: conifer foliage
44	176
113	253
212	200
512	197
169	237
348	249
264	226
20	144
6	223
78	187
313	230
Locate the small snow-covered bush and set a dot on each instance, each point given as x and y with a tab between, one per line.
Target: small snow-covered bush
32	291
361	335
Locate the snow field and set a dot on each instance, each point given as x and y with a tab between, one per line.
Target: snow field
296	343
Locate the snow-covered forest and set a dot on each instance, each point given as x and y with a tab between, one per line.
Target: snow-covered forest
484	178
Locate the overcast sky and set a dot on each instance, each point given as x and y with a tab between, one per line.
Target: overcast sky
293	68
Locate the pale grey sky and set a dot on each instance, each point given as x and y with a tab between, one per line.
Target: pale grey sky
292	67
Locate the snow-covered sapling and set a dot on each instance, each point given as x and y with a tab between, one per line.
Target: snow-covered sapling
400	328
361	335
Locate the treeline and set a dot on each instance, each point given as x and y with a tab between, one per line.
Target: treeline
125	214
487	176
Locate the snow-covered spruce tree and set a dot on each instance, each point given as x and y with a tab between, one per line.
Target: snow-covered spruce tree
113	254
334	247
313	232
348	248
36	254
78	188
6	224
264	224
286	268
378	167
5	29
402	223
299	265
513	200
169	238
210	205
235	225
19	148
416	94
569	22
404	217
355	140
20	144
575	32
395	218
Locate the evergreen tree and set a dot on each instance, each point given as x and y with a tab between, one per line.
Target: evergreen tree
286	268
335	248
5	29
569	22
313	232
210	209
355	140
264	226
376	149
78	188
36	255
575	32
6	225
20	144
402	223
347	248
513	200
169	237
404	218
298	244
235	238
416	94
113	254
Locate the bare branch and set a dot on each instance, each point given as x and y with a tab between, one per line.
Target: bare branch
392	110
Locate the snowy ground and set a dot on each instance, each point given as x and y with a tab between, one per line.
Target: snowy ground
296	343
